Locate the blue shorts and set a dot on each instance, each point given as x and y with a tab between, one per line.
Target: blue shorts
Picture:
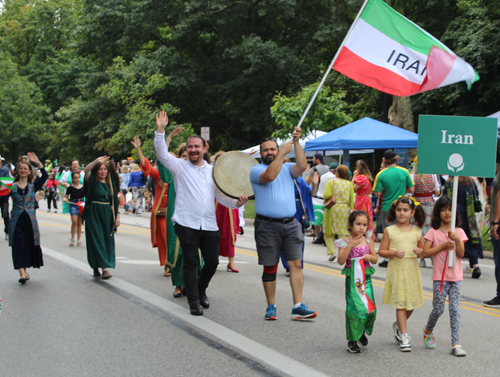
74	210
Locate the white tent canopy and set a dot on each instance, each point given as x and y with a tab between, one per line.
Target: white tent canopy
310	136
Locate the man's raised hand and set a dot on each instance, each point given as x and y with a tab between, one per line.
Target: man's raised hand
161	122
297	131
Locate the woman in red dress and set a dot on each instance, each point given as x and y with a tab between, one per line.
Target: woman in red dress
158	215
362	184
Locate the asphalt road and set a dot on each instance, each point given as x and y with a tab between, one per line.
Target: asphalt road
64	322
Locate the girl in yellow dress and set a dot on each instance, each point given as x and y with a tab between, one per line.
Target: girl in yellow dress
402	243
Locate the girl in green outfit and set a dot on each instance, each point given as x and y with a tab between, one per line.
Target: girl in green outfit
357	251
102	216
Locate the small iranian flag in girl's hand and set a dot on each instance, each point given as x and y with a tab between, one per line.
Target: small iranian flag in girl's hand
6	185
81	205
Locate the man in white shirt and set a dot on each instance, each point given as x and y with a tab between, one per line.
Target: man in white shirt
194	216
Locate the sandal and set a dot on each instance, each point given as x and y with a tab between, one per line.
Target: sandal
71	242
79	243
106	274
167	271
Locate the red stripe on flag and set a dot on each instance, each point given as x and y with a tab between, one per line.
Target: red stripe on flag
360	70
371	305
439	65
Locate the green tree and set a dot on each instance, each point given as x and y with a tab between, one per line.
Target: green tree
24	120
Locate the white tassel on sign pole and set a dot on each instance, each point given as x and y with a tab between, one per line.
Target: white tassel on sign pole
329	68
453	216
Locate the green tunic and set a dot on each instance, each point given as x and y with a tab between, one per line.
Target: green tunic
99	215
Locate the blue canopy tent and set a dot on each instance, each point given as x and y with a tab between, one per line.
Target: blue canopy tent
365	133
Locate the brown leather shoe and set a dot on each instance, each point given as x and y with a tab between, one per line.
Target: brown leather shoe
96	272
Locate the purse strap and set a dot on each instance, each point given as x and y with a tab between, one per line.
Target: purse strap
300	195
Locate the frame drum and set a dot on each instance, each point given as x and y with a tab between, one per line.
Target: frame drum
232	174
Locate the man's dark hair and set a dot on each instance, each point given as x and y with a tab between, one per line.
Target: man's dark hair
199	137
268	138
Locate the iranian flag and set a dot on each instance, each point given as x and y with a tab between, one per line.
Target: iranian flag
6	185
388	52
363	303
81	205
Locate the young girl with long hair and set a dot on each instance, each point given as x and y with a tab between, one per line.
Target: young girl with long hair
447	281
75	194
402	243
357	248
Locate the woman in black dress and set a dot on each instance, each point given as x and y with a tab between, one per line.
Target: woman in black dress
24	235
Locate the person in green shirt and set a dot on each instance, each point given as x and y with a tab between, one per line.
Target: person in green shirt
394	181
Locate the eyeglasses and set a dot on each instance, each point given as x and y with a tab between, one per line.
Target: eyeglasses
268	138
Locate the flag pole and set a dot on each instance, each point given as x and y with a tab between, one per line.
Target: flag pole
453	216
330	67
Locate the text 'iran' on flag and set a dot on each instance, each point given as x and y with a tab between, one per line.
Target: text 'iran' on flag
388	52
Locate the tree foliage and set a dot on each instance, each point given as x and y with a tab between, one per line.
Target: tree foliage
94	72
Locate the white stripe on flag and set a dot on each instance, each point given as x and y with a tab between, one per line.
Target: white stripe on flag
360	276
376	48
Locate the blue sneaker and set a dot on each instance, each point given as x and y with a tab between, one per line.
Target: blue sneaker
302	313
271	313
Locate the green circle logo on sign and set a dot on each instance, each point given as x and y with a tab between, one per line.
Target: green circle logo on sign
456	162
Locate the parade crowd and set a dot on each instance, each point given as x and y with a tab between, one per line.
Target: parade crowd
193	223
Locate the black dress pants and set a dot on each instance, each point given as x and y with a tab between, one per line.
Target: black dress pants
192	240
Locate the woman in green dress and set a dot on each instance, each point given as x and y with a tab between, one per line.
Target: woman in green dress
102	216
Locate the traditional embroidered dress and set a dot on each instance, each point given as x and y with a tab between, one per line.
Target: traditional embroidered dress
228	223
175	258
158	223
24	234
335	219
363	200
424	188
101	207
360	313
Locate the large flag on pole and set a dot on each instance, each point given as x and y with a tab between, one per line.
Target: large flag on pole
388	52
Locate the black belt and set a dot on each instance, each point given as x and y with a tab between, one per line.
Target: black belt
274	220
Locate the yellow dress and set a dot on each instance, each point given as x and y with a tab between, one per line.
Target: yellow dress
403	284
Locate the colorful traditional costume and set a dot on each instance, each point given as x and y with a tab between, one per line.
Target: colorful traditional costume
158	215
335	219
228	223
363	200
360	313
24	235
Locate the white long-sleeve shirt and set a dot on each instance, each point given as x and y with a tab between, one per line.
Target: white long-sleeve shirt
195	190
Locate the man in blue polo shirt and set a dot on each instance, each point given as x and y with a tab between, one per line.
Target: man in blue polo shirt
276	229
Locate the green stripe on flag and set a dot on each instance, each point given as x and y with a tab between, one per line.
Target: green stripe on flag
386	20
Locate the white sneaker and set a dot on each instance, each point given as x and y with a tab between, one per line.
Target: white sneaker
397	333
405	345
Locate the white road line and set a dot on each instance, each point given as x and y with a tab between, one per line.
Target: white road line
258	351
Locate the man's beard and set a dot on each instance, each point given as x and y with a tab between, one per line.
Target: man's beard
195	158
268	159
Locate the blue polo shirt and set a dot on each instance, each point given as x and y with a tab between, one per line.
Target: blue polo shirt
277	198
